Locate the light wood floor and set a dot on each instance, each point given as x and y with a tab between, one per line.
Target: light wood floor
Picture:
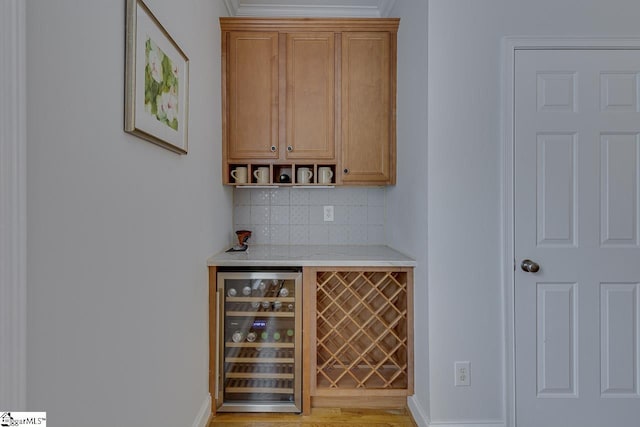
320	417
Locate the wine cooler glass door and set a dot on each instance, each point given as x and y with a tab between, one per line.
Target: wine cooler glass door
259	342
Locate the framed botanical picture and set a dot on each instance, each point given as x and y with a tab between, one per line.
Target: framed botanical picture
156	81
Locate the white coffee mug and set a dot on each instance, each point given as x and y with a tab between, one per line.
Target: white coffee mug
262	175
324	175
239	174
304	175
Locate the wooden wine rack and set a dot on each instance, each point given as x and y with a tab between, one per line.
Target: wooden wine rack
363	334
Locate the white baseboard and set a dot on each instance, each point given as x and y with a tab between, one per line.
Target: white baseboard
471	423
417	412
204	413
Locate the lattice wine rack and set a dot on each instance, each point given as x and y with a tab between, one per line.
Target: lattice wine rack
363	331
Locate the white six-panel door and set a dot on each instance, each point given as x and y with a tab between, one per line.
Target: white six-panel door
577	215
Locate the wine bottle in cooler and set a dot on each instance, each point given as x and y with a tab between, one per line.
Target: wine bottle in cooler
274	288
246	290
252	336
238	336
258	287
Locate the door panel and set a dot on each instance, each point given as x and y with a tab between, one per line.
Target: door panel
577	195
620	167
619	305
557	333
555	190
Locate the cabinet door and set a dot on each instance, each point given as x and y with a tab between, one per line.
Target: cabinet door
259	342
310	131
252	93
367	108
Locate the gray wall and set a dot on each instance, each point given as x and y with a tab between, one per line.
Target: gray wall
119	229
464	166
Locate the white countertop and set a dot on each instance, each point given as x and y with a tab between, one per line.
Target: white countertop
313	256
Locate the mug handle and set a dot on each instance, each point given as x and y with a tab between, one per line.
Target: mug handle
310	175
330	174
233	174
256	173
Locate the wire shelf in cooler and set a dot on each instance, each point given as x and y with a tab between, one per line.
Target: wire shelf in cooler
252	299
272	386
259	345
258	355
260	371
262	313
258	375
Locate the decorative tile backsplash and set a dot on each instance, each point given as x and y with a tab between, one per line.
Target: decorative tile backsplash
295	215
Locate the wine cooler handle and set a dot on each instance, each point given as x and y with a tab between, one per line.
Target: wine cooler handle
219	299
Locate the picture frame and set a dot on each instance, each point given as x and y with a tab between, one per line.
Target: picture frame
156	81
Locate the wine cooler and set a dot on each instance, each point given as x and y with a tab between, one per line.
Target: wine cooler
259	341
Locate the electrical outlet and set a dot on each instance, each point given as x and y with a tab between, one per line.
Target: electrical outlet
328	213
463	374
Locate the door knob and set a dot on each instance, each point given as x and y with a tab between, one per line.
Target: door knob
529	266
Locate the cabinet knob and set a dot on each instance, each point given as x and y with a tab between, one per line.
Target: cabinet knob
289	148
273	148
345	170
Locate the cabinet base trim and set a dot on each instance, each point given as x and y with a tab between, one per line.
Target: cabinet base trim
365	402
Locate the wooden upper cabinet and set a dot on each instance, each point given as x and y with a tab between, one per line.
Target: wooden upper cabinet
310	108
252	94
310	92
368	108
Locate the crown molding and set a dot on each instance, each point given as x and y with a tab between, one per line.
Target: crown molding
292	24
317	8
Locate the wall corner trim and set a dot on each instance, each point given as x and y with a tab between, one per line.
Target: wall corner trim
202	418
418	412
232	7
13	306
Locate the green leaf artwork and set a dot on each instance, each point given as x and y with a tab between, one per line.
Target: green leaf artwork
160	85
